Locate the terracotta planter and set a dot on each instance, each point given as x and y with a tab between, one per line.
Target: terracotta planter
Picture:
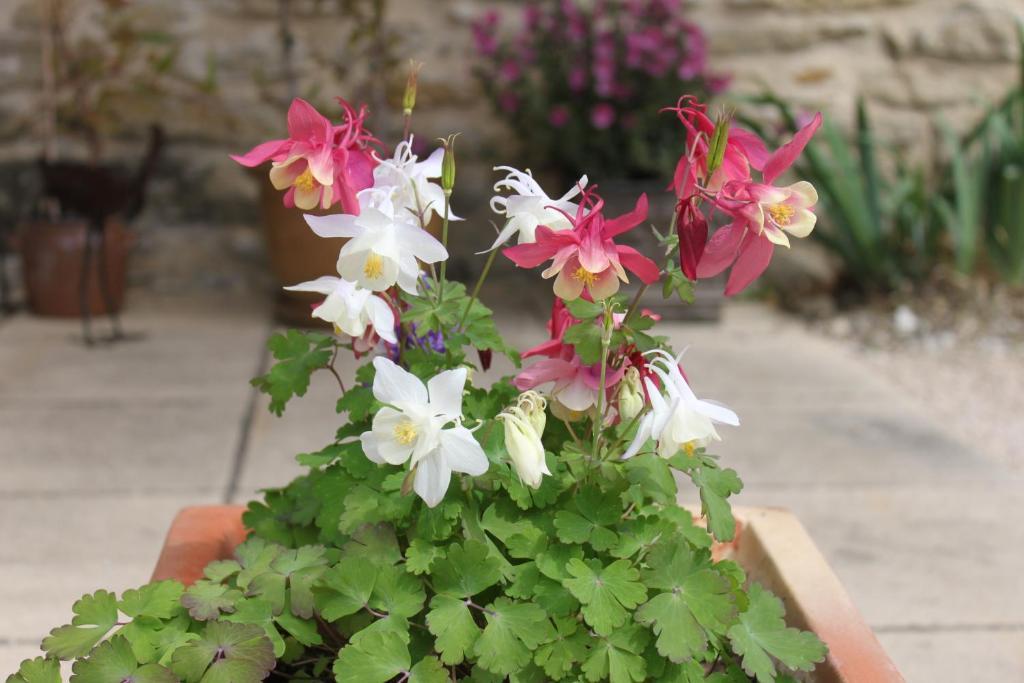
52	265
296	254
771	545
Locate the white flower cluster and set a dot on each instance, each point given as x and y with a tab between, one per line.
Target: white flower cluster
385	244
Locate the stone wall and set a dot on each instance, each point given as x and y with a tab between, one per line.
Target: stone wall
914	60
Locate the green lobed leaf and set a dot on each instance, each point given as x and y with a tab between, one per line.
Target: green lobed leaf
715	487
568	648
467	570
617	657
453	626
606	592
298	355
762	636
586	339
114	662
38	670
397	592
428	670
160	600
514	630
225	653
345	588
420	556
95	615
206	600
376	657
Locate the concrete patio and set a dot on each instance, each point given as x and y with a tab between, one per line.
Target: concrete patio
98	448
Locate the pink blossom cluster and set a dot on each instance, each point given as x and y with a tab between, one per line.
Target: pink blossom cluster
593	63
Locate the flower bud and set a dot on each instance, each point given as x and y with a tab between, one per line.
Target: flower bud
448	165
533	406
522	439
631	396
718	143
409	98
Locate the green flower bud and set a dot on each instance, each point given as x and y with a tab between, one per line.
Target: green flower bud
448	165
631	396
409	98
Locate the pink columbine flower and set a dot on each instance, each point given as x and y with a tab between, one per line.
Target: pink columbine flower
574	386
319	164
762	215
586	258
744	150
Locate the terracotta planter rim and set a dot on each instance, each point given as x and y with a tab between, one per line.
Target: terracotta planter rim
771	545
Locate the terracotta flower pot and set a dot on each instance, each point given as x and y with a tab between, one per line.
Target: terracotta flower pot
52	265
771	545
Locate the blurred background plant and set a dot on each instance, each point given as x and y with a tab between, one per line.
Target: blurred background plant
894	224
111	68
574	79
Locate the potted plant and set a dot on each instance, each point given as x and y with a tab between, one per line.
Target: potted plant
576	80
106	68
526	528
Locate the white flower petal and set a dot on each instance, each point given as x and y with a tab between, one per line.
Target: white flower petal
461	451
431	480
382	318
445	391
421	243
335	225
392	384
322	285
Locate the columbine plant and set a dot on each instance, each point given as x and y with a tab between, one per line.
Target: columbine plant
464	527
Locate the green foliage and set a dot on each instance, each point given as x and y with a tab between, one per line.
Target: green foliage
298	355
762	637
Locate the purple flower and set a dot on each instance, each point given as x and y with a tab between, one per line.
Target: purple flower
558	116
509	101
577	79
485	33
602	116
510	70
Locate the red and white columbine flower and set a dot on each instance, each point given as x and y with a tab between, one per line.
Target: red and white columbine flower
351	309
319	164
422	425
762	215
572	385
528	206
679	420
586	258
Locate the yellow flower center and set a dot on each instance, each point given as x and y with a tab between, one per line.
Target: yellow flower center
585	276
305	181
690	449
405	432
781	214
374	266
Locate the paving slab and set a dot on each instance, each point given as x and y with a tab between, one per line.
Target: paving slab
58	547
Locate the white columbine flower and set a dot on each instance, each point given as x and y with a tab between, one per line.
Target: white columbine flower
524	426
350	308
382	250
421	425
680	420
401	185
529	206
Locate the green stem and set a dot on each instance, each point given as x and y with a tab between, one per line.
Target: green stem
634	304
477	286
444	241
606	335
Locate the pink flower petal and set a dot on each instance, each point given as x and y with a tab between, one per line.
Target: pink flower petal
755	254
627	221
784	156
307	124
638	264
261	153
721	249
543	371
